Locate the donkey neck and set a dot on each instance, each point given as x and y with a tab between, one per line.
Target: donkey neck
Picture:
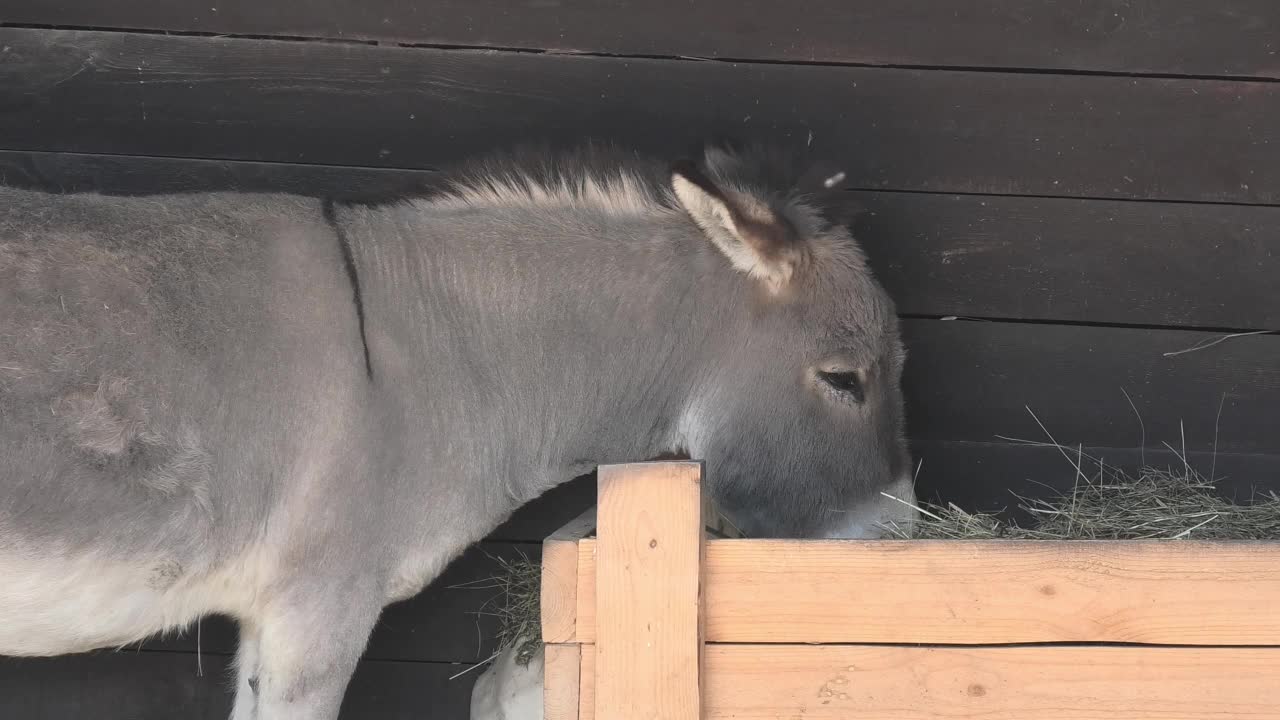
528	346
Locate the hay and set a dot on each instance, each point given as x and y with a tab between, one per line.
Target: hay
517	606
520	616
1155	504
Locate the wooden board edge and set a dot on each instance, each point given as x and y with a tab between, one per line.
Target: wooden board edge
577	528
649	547
1234	563
587	683
995	548
562	665
585	593
558	594
825	682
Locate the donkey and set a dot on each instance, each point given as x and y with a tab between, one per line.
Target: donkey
294	411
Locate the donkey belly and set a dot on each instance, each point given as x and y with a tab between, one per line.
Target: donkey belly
54	605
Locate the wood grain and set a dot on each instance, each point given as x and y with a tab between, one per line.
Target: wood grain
562	670
978	381
141	175
1004	133
560	578
116	686
587	683
165	686
649	553
767	682
1075	260
1062	683
1233	37
975	592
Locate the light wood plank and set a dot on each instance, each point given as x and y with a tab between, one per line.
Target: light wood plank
584	629
587	683
561	679
649	552
1063	683
558	593
560	578
816	682
1003	591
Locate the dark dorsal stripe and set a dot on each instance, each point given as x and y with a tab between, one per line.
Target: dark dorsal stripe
348	261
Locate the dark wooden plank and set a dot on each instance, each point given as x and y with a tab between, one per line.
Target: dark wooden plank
408	691
1075	260
970	255
990	477
116	686
133	175
165	686
975	381
329	103
1232	37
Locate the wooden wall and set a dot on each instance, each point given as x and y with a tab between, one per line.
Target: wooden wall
1062	196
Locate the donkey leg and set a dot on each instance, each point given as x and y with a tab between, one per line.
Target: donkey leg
246	705
308	646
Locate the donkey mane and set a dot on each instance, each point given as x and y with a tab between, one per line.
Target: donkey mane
594	175
597	176
609	177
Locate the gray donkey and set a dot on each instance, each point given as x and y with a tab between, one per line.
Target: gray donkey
295	412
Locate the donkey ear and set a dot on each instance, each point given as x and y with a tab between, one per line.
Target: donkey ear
755	239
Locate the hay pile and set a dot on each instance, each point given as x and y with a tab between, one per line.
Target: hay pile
1109	504
516	606
1156	504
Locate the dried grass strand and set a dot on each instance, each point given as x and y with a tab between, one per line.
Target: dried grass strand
1174	503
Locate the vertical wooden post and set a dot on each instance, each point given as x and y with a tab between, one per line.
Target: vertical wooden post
649	541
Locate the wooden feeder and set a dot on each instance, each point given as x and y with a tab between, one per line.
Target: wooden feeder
645	616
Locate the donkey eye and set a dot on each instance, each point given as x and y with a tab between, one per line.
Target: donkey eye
845	382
